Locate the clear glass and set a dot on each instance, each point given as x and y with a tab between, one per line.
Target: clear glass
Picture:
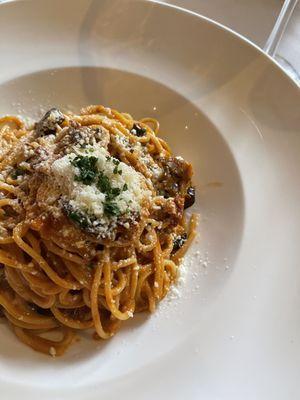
283	42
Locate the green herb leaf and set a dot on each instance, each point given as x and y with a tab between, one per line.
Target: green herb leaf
115	192
78	218
103	183
125	187
111	209
87	169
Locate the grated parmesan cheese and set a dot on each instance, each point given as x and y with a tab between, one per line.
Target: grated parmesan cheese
52	351
88	198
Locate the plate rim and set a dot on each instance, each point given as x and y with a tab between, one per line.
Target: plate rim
223	27
210	21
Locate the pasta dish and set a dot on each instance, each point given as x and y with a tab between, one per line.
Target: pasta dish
92	226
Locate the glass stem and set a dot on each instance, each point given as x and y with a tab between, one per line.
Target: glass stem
279	27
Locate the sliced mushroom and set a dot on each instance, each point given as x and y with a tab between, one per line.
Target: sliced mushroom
49	122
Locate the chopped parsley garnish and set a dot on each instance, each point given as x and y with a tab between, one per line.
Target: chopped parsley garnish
105	187
115	192
103	183
137	130
87	169
89	174
116	170
111	208
79	218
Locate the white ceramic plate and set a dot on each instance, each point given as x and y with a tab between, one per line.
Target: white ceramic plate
233	331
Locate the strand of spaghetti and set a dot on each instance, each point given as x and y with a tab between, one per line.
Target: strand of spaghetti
165	146
134	280
42	263
46	346
127	116
18	313
17	284
122	281
96	109
35	326
144	272
192	233
68	300
158	270
166	284
94	304
152	239
171	268
6	259
121	117
151	121
117	289
57	241
40	284
35	243
86	295
168	248
81	273
150	296
11	118
8	188
132	159
113	126
11	181
10	202
108	112
71	323
157	144
123	263
15	154
109	296
133	287
70	306
62	253
7	240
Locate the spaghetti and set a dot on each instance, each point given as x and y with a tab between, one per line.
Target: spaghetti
92	225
